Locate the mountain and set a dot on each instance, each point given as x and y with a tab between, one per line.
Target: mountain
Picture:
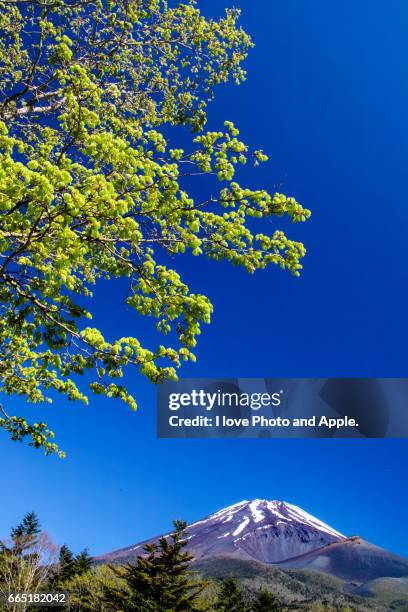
267	531
279	546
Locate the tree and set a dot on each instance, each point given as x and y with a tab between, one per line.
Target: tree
70	566
26	533
94	187
83	563
27	560
87	591
66	564
160	579
230	598
266	602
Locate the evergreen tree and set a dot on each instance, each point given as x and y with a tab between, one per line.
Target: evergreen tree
70	566
29	526
266	602
230	598
160	579
83	563
25	534
66	564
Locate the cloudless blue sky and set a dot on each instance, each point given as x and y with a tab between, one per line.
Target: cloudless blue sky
326	97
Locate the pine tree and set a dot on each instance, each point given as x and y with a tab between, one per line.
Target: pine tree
66	564
83	563
70	566
29	526
25	534
266	602
230	598
160	579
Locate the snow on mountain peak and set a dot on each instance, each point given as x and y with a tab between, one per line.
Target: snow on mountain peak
249	513
265	530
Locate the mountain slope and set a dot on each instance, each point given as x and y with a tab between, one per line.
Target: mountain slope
390	591
352	559
268	531
297	589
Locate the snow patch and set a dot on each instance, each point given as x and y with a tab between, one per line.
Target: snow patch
307	518
273	507
241	526
264	527
257	515
224	535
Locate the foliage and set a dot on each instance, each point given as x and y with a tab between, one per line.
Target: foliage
83	562
160	579
230	598
164	578
25	534
295	589
266	602
66	565
87	591
92	189
26	560
70	566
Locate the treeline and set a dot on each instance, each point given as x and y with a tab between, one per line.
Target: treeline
160	580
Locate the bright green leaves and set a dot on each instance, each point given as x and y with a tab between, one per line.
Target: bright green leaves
93	187
109	359
220	152
63	52
160	293
38	434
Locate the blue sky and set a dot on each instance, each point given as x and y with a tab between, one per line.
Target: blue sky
326	97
